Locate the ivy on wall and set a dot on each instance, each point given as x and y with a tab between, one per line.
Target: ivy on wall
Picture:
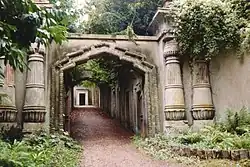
207	28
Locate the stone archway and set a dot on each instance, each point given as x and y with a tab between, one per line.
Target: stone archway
151	123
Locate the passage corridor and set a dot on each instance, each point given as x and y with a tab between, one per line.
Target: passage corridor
106	143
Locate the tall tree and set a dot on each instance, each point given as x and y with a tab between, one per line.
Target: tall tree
113	16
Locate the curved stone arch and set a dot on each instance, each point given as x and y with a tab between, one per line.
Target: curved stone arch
70	60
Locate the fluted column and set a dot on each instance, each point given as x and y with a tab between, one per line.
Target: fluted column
8	112
202	108
174	95
34	106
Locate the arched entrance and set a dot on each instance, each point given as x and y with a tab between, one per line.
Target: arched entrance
146	92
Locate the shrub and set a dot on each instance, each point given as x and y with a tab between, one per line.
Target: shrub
10	134
40	150
232	133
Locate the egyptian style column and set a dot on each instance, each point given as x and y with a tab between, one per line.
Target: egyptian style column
8	112
34	105
202	108
174	95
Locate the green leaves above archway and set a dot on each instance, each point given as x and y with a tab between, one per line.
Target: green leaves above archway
207	28
101	71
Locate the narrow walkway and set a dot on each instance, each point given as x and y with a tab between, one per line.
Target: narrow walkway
106	143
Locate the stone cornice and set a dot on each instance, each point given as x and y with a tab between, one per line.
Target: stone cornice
110	37
161	11
164	35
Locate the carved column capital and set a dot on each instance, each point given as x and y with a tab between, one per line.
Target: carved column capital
171	48
37	48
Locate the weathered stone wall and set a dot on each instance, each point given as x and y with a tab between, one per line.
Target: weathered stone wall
229	78
230	83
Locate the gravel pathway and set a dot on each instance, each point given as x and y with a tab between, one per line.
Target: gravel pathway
106	143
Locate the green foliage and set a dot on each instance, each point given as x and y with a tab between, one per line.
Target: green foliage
157	146
114	16
210	28
232	133
102	71
22	23
191	138
236	122
40	150
71	14
223	135
10	134
206	28
88	84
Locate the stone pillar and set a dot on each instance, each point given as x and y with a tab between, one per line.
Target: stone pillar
53	100
202	108
174	95
113	106
68	110
34	105
61	99
8	112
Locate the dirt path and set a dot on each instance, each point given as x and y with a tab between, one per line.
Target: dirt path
106	143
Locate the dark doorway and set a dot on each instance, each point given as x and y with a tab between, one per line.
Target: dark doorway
82	97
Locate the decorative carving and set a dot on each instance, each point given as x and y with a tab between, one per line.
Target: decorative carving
174	95
171	48
35	114
202	108
34	107
8	114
